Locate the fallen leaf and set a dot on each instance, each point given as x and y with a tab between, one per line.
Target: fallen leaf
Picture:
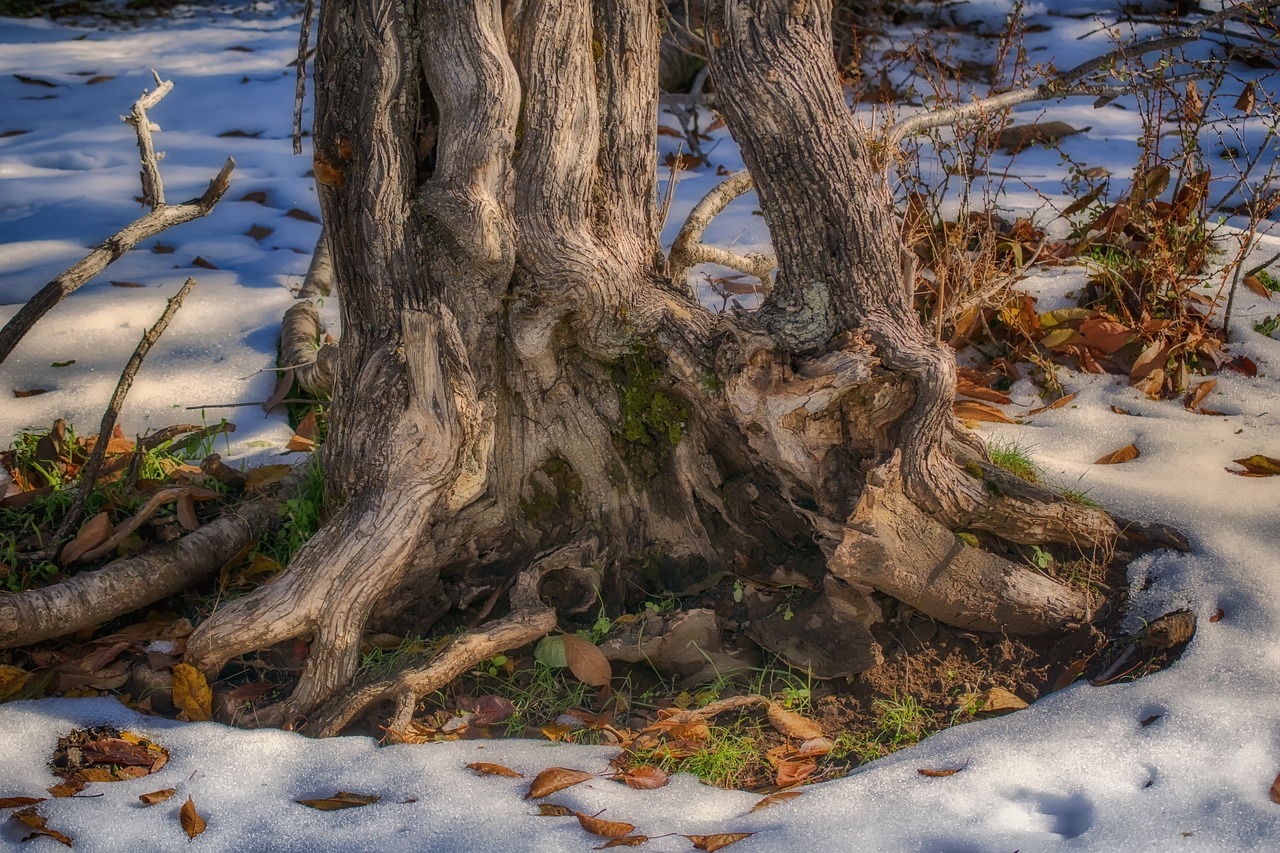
69	788
1125	454
1150	184
340	800
16	802
484	768
775	799
11	133
203	264
35	81
585	660
712	843
191	693
162	249
12	679
101	78
1196	395
1217	615
302	215
126	284
553	810
157	796
791	773
939	774
603	828
250	692
1258	466
624	841
1068	676
261	477
1255	284
1243	364
997	699
117	751
257	196
792	724
94	532
308	427
492	710
260	232
1019	136
239	134
298	444
1275	790
1056	404
971	410
186	508
280	391
1106	336
32	392
978	392
192	823
644	778
555	779
63	363
1146	721
37	825
814	748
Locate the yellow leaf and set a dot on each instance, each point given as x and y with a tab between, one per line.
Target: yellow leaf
191	693
12	679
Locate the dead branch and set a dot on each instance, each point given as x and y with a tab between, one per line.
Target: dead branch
1087	78
688	248
89	471
300	90
160	218
91	598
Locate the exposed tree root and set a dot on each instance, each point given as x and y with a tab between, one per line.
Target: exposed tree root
530	619
91	598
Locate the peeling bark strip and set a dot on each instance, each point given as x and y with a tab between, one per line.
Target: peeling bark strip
161	218
524	401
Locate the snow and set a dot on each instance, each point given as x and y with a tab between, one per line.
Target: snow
1075	771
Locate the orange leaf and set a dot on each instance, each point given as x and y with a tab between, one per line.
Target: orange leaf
794	772
299	444
94	532
1196	396
970	410
586	661
644	778
1217	615
555	779
1247	100
1125	454
1106	336
157	796
712	843
939	774
1056	404
191	693
792	724
978	392
192	823
1258	466
15	802
775	799
1152	357
36	822
1275	790
1255	284
484	768
603	828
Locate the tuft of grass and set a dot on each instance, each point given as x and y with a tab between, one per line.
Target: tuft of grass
728	757
1015	459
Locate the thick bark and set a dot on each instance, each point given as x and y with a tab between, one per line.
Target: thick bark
519	385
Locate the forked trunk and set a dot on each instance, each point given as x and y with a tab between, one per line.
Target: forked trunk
523	393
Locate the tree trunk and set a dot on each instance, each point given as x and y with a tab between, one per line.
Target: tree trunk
521	391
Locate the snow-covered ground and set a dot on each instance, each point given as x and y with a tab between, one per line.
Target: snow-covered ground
1077	770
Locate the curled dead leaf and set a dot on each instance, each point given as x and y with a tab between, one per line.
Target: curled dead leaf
1275	790
192	823
94	532
1056	404
971	410
340	800
646	777
603	828
792	724
1255	284
1217	615
1257	466
1125	454
624	841
555	779
775	799
37	824
712	843
553	810
794	772
484	768
18	802
157	796
940	774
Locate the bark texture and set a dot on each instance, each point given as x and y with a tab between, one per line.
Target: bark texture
525	401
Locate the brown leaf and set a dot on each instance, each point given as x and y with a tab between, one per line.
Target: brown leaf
259	232
587	663
1106	336
712	843
1080	204
792	724
978	392
794	772
553	810
157	796
603	828
204	264
1019	136
307	427
258	196
340	800
971	410
1255	284
1245	103
1056	404
1275	790
1243	364
775	799
37	825
12	679
555	779
11	133
939	774
1258	466
239	134
645	777
252	691
284	382
484	768
192	823
327	173
126	284
1196	395
187	513
17	802
624	841
30	392
261	477
35	81
94	532
1150	184
109	750
491	710
298	444
191	693
1217	615
996	700
162	249
1068	676
1125	454
69	788
101	78
1120	411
